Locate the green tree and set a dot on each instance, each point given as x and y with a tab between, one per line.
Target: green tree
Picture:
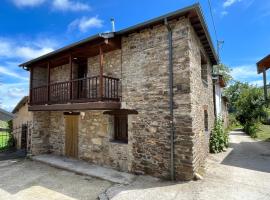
233	93
250	108
223	70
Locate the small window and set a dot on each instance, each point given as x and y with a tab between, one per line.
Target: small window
205	120
121	128
204	69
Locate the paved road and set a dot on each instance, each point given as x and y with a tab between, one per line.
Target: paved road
243	172
30	180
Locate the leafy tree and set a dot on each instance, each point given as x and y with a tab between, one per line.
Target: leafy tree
223	70
250	105
251	108
233	93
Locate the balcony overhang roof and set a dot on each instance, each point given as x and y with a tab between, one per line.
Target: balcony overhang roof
193	12
263	64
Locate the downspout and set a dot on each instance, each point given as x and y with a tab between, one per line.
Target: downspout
172	132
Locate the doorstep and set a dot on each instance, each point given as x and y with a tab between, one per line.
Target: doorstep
85	168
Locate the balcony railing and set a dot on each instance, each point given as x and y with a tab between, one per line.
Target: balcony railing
82	90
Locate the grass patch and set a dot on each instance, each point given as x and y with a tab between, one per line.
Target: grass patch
4	140
264	132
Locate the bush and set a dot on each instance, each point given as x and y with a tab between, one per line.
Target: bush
251	129
219	139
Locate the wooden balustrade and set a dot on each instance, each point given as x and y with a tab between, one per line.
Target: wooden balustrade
83	90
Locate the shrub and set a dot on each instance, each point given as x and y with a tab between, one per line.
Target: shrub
219	139
251	129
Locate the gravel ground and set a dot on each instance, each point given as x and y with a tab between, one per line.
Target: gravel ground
30	180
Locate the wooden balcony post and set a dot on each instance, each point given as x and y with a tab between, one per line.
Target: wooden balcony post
48	81
70	78
31	85
265	86
101	72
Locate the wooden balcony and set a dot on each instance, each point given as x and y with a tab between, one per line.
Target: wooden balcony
94	93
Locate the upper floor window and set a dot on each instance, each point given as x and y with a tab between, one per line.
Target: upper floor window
205	120
204	71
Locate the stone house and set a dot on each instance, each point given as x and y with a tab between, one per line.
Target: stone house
137	100
22	119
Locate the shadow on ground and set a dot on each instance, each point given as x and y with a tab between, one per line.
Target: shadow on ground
253	155
12	154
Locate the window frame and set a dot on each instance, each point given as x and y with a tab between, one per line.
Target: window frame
204	70
120	127
206	120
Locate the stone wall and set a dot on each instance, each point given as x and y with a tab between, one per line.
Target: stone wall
145	89
41	133
142	66
201	99
95	135
39	76
60	73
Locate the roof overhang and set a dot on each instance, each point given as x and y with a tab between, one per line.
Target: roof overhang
263	64
193	12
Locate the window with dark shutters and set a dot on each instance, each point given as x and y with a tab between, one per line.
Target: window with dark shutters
121	128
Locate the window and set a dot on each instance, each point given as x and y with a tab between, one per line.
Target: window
205	120
204	69
121	128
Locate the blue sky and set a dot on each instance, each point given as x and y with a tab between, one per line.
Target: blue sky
30	28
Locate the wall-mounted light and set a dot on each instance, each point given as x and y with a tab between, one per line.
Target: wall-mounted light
83	115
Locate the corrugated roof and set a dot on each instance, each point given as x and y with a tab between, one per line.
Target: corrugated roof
201	28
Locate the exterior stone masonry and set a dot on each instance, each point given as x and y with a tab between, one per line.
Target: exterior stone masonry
142	66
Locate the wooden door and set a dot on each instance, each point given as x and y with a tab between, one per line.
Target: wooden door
71	141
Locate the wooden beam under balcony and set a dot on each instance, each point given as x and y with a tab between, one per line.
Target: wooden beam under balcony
77	106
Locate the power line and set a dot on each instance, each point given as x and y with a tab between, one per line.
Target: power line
219	43
210	8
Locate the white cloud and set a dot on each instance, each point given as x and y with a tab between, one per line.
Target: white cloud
29	53
257	82
28	3
86	23
65	5
27	50
229	3
8	72
245	73
12	93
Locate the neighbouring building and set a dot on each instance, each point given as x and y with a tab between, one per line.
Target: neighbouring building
5	115
221	107
21	122
137	100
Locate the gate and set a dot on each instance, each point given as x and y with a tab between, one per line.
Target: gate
22	137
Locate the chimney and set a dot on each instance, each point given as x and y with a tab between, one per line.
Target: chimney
113	26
